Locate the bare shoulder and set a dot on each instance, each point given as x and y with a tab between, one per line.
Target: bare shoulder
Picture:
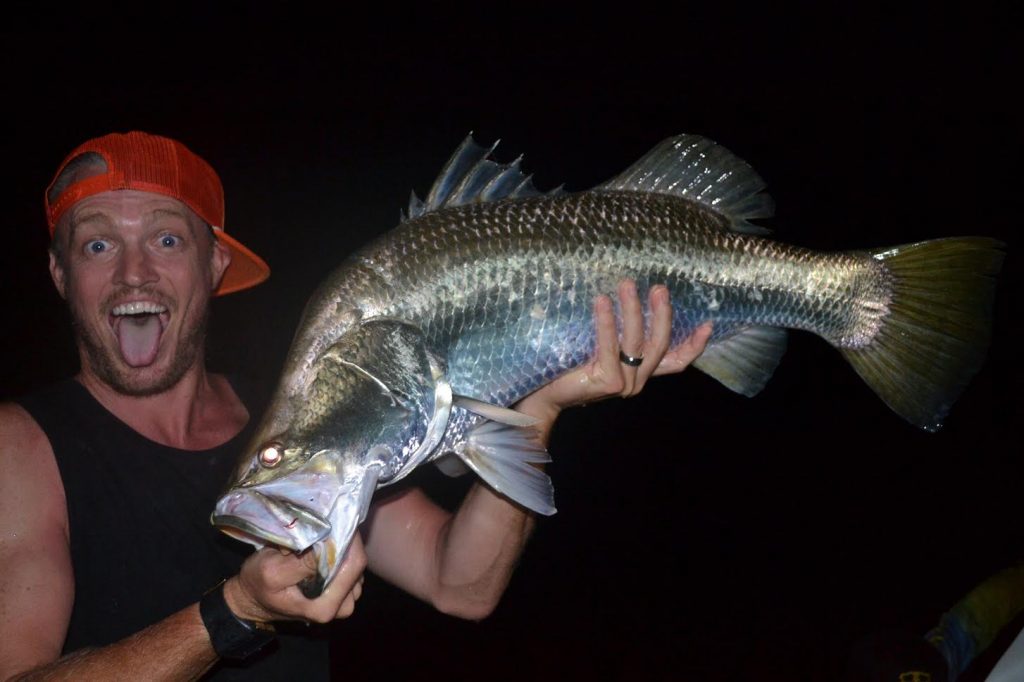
19	430
31	491
36	579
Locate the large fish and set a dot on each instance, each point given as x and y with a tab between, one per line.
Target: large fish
414	348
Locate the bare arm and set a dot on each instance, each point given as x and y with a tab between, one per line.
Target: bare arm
462	563
178	647
37	583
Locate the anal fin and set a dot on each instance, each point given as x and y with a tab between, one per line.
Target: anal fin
745	361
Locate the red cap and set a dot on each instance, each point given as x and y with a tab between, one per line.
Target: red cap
160	165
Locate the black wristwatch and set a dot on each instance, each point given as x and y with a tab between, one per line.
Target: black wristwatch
232	637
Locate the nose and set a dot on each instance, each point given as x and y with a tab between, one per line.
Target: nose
135	267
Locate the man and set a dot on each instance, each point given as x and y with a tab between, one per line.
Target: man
108	567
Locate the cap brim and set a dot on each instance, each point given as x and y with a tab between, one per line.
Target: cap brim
246	268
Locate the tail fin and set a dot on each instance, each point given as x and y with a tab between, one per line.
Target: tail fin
938	327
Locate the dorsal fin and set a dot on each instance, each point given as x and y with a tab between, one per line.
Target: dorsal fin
471	176
701	170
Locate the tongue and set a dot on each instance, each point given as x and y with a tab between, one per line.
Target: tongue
139	336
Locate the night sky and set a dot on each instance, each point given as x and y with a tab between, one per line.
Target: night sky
700	535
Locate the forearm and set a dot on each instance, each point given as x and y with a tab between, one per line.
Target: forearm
477	551
482	542
462	562
176	648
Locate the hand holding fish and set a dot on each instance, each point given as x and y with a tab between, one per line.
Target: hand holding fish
268	586
606	375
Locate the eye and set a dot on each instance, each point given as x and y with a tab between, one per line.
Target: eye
271	455
169	241
97	246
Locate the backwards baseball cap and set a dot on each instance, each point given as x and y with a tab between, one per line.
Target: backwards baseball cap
150	163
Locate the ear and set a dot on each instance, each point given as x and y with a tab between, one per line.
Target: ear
58	275
220	259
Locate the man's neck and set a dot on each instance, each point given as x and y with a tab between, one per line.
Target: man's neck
199	412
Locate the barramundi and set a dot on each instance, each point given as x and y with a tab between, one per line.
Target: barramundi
414	349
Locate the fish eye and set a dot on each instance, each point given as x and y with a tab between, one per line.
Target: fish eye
271	455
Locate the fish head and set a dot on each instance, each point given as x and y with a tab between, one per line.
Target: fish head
300	499
357	417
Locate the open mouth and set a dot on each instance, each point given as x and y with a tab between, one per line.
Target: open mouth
139	326
260	520
239	530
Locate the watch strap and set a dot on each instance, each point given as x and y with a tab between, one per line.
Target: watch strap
232	637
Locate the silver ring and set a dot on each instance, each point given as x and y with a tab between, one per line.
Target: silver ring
630	360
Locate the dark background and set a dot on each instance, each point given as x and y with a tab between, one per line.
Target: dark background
700	535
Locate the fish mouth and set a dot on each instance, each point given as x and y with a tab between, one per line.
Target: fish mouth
138	327
315	507
261	520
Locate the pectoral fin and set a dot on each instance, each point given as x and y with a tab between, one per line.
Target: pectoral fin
496	413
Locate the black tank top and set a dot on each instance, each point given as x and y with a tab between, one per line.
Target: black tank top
142	544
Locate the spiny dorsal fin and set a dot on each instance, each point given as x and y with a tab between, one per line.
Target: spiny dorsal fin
471	176
701	170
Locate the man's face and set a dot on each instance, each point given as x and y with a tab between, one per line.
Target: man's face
138	274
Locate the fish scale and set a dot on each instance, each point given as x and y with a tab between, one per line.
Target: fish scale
413	349
492	285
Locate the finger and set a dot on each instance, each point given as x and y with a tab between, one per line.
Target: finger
347	608
324	609
266	584
607	338
348	604
278	570
332	601
351	570
680	357
661	335
632	332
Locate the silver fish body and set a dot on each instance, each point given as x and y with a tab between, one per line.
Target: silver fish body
504	291
414	347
